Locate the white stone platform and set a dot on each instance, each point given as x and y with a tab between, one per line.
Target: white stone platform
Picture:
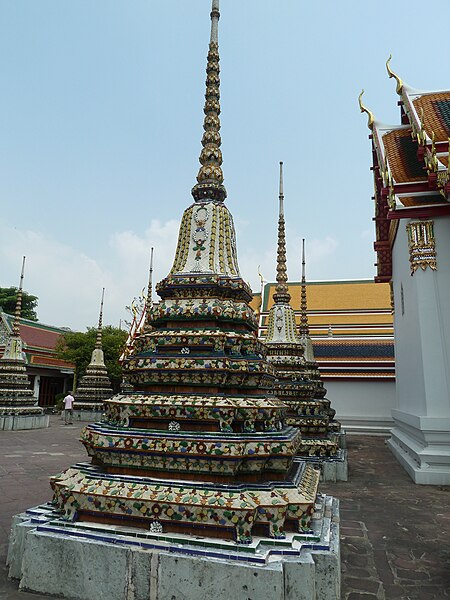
90	416
86	561
15	422
422	446
333	468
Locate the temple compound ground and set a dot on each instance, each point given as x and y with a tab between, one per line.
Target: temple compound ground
394	534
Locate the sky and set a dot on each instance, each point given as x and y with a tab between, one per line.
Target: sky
101	114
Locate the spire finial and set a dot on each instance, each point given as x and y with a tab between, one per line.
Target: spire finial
304	329
98	342
215	16
150	283
209	184
364	109
391	74
281	194
18	309
281	295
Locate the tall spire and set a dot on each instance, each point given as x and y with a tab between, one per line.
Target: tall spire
281	295
150	283
304	329
18	310
98	342
209	184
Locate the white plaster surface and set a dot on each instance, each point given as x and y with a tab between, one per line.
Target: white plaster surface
363	406
421	433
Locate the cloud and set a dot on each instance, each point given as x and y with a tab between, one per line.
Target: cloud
318	253
68	282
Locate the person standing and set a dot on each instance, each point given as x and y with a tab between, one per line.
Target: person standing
68	409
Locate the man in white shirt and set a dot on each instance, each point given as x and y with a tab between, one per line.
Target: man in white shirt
68	409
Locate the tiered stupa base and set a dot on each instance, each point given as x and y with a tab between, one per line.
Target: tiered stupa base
94	389
17	421
126	562
227	511
18	408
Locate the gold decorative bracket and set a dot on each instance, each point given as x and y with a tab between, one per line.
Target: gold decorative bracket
422	245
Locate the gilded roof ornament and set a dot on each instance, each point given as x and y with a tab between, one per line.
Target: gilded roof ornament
391	74
281	295
209	184
364	109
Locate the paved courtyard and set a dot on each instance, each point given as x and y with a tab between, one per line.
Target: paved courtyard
395	535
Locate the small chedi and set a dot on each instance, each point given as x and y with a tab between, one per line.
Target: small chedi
95	386
201	445
289	350
18	406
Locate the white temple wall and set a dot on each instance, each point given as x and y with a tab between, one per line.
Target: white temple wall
421	435
362	406
408	352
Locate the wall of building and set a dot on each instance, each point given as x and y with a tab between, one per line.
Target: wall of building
420	437
422	327
408	352
363	406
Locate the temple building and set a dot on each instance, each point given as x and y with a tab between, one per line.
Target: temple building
412	216
18	406
351	328
95	386
49	375
298	383
197	462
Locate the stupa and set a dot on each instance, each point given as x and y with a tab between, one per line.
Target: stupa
95	386
18	406
298	383
197	462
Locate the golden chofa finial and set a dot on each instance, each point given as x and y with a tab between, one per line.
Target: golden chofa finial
364	109
391	74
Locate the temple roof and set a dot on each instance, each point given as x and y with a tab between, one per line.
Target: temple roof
39	341
410	164
350	325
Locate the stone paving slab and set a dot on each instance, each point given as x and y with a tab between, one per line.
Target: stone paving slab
395	534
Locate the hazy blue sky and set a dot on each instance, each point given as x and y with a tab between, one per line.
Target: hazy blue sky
101	121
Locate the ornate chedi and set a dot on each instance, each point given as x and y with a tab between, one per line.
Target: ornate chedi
16	396
290	351
95	385
201	445
312	373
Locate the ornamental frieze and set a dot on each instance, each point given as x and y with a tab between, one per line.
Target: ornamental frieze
76	491
199	308
422	245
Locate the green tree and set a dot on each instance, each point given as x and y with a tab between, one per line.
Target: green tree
76	347
8	299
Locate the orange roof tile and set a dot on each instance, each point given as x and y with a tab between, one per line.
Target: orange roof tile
436	114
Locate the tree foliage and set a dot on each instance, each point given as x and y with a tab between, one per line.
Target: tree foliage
8	299
76	347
